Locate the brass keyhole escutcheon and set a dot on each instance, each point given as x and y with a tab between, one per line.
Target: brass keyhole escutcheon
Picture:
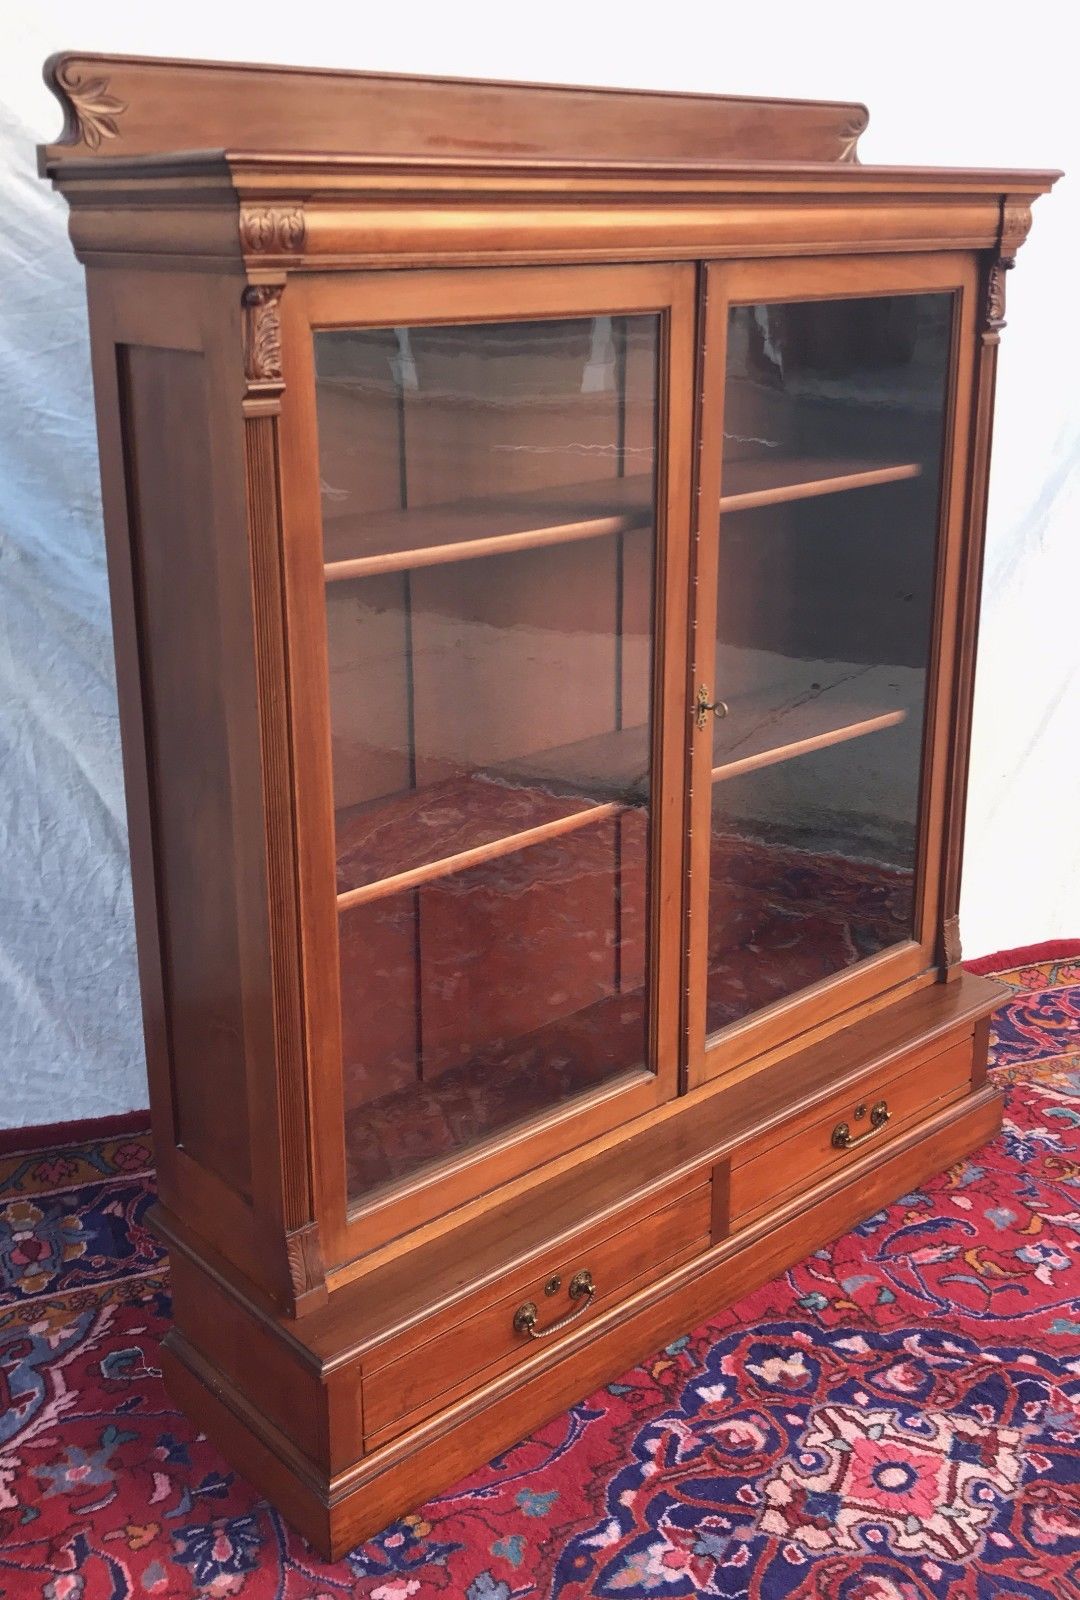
703	706
552	1286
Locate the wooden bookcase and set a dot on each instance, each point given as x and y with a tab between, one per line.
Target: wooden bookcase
545	586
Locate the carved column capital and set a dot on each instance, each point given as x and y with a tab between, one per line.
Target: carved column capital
1015	225
272	230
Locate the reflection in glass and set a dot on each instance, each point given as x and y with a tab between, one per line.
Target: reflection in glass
490	995
488	517
833	438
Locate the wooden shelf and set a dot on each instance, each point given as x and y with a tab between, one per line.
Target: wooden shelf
421	835
607	766
771	480
774	725
424	834
465	529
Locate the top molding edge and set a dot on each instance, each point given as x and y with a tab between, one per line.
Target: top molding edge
116	106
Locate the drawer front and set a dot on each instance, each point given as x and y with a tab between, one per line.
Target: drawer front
493	1335
845	1128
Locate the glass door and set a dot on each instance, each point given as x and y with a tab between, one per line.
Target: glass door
496	528
826	440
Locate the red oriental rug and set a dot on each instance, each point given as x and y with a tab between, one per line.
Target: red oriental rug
896	1418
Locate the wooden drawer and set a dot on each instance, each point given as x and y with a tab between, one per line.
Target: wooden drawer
482	1340
803	1151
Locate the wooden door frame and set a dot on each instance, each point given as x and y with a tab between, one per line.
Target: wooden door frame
480	295
912	962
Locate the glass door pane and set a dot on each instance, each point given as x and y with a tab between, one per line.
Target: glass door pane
829	510
488	519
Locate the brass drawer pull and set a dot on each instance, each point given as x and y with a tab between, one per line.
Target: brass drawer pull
581	1288
842	1137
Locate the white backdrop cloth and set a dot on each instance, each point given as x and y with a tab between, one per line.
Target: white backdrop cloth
70	1032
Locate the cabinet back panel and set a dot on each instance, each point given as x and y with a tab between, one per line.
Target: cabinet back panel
174	558
514	656
525	988
509	409
368	635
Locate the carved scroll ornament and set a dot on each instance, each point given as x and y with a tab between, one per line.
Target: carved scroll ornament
995	296
304	1257
849	138
90	109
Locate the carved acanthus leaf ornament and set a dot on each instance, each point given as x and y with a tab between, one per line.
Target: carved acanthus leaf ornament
92	109
1015	225
262	334
304	1259
272	230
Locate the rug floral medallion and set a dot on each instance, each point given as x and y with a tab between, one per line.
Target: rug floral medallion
895	1418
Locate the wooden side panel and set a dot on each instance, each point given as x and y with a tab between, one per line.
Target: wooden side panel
220	1327
172	530
192	522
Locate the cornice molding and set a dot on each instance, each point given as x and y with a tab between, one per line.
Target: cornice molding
279	214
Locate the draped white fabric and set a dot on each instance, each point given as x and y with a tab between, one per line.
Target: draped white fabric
70	1036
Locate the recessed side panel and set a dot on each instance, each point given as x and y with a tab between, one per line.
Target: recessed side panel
165	410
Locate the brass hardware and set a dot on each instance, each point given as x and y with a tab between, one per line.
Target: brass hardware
581	1288
842	1137
860	1112
704	705
553	1285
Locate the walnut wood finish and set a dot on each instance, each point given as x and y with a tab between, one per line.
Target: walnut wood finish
354	1356
336	1510
127	105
